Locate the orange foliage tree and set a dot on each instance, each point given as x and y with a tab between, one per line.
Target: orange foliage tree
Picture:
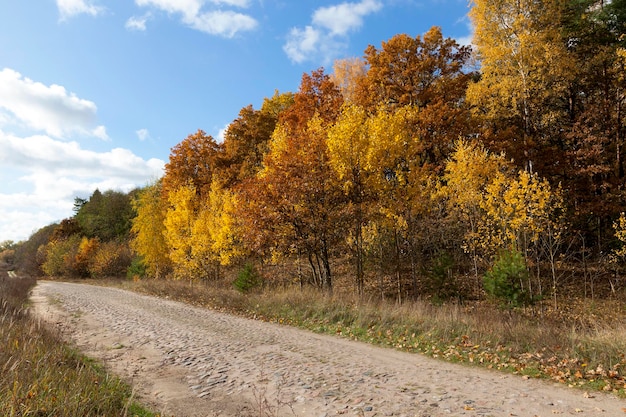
294	203
193	161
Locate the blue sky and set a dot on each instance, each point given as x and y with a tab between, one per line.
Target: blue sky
95	93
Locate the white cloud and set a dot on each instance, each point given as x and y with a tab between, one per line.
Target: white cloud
236	3
143	134
329	29
70	8
100	132
215	21
18	225
50	173
345	17
223	23
302	43
50	109
188	8
41	171
42	153
221	133
137	23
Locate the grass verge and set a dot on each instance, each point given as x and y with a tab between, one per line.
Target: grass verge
40	376
581	345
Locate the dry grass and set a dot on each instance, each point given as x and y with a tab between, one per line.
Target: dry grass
40	376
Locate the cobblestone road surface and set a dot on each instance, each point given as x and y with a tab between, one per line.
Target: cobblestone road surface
218	364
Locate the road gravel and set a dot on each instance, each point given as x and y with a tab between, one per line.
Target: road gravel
186	361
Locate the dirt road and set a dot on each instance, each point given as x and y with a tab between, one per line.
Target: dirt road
187	361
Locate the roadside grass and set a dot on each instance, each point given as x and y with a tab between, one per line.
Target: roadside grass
580	345
41	376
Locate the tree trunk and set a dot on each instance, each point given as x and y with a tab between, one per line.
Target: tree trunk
327	272
358	232
398	268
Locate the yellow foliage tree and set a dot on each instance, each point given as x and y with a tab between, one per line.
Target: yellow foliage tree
501	210
467	174
214	235
526	75
401	180
225	228
148	238
524	214
349	146
179	222
87	250
519	209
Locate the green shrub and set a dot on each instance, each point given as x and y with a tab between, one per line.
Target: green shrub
505	280
137	268
247	279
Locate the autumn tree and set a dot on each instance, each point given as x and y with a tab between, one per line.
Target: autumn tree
377	159
148	238
518	209
349	146
214	239
179	220
501	210
415	71
468	172
110	259
84	256
347	75
294	203
428	73
294	206
403	183
223	226
60	257
246	139
318	95
526	75
192	161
